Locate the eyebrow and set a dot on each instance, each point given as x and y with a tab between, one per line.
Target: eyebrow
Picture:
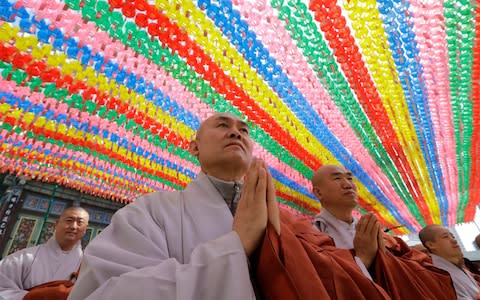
227	119
340	173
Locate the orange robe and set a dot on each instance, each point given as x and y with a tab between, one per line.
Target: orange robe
303	263
53	290
406	273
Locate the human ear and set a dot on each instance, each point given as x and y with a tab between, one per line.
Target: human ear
193	148
317	193
430	245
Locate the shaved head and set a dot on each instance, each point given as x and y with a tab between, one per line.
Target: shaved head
212	118
440	241
323	172
427	234
334	187
223	146
75	209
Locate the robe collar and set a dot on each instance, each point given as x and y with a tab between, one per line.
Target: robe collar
229	190
463	281
443	263
342	232
326	217
55	247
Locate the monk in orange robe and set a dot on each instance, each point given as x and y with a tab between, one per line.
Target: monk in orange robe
348	259
303	263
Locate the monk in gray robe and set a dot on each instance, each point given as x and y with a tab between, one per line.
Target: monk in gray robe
447	255
55	260
190	244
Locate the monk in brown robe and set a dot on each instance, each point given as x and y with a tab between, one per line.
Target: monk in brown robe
304	263
447	255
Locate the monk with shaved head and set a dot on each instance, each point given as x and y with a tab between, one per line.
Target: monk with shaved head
399	270
447	255
334	187
190	244
203	242
22	272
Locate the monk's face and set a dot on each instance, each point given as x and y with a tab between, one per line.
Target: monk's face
223	143
71	226
335	187
444	244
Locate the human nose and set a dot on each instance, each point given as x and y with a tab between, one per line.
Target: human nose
75	225
347	184
234	133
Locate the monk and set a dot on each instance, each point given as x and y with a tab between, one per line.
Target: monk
189	244
404	273
334	187
55	260
447	255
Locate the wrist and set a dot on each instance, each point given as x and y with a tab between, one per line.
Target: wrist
366	259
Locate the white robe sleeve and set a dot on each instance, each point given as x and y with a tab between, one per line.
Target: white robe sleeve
12	269
362	267
130	260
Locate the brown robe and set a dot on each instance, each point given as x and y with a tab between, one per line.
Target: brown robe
407	273
303	263
53	290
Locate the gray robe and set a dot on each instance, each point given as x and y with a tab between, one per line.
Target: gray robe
36	265
168	245
465	285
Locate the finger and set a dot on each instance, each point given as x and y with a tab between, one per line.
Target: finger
261	163
370	226
381	240
261	195
375	229
362	223
248	190
270	188
359	227
261	186
272	206
253	166
249	174
262	166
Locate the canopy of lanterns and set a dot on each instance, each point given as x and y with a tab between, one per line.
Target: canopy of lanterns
104	96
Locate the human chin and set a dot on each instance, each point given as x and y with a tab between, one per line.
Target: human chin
234	148
350	197
239	158
458	251
70	237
